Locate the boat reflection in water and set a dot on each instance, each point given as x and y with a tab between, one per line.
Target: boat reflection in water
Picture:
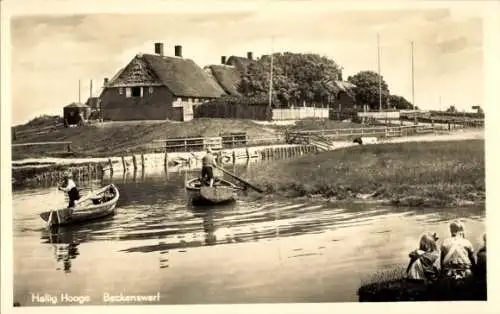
64	245
66	239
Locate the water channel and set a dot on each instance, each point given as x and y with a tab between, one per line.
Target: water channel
250	251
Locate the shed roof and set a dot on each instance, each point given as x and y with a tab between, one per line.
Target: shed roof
76	105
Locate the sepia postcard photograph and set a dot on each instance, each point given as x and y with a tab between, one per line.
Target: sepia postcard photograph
243	153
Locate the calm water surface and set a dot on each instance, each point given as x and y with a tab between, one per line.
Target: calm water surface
250	251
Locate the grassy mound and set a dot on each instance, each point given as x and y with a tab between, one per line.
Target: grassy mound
116	138
408	174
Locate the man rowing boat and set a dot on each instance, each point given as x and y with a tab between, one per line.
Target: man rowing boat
70	188
208	163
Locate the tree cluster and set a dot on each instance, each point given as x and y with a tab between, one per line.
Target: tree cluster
310	78
297	78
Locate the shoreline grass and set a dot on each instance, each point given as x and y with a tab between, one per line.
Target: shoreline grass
390	285
425	174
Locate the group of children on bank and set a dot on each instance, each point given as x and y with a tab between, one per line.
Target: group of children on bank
455	258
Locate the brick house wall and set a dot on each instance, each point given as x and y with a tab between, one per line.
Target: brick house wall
155	104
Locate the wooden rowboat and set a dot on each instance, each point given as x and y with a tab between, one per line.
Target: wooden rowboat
97	204
221	192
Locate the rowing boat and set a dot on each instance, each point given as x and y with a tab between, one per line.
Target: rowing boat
97	204
221	192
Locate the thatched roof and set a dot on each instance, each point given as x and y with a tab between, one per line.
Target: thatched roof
240	63
182	77
346	87
227	76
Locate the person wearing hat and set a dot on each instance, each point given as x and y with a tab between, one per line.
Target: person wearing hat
208	163
70	188
457	253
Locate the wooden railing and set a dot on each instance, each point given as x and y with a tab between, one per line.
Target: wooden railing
333	134
189	144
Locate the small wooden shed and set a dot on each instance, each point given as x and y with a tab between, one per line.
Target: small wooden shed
76	114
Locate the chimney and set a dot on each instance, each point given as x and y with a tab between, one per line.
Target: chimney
106	81
250	55
223	60
159	49
178	51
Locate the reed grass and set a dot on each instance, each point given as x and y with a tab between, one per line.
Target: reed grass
407	174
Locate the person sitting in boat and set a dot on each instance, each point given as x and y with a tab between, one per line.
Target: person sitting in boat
480	270
70	188
208	163
457	253
424	261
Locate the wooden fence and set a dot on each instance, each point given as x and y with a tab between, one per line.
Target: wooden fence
387	115
345	134
231	110
300	113
235	140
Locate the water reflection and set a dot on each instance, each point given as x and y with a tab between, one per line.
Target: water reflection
64	245
288	244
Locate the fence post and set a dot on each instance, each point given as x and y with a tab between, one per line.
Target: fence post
134	162
110	166
165	162
69	148
124	164
142	162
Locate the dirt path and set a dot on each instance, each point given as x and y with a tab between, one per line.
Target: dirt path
453	136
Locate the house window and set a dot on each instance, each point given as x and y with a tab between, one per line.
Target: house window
136	91
120	90
128	92
150	90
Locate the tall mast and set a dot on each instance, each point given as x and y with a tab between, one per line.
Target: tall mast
379	77
271	74
90	88
412	78
79	91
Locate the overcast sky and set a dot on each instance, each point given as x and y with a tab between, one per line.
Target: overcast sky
51	53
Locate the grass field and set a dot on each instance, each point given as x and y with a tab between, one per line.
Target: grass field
407	174
117	138
125	137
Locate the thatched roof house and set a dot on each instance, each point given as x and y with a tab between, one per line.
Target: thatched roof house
346	87
229	73
155	86
241	63
181	76
227	76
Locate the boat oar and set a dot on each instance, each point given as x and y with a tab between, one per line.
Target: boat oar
240	179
